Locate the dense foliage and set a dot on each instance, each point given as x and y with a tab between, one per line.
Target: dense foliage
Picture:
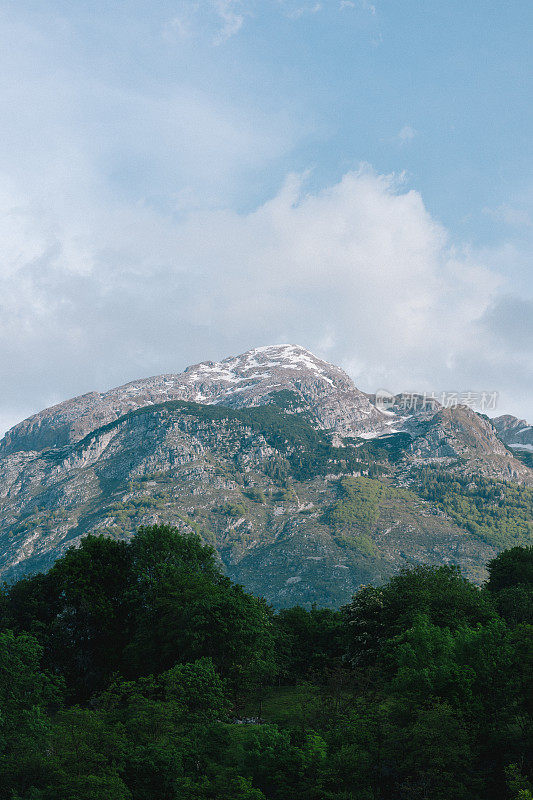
136	671
358	503
500	513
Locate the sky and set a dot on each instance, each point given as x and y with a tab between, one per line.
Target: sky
183	181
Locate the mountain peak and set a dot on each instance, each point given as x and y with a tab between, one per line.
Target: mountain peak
239	381
263	362
283	354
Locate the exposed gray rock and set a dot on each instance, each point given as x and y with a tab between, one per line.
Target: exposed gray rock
240	381
460	434
516	433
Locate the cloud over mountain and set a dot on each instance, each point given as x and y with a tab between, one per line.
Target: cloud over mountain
359	272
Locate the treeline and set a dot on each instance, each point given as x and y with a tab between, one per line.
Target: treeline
137	671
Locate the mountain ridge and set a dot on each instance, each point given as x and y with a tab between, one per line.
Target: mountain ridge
237	381
249	379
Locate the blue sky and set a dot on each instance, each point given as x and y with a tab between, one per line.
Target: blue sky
184	180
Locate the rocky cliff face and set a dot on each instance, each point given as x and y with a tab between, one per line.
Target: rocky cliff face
241	381
250	453
459	433
516	433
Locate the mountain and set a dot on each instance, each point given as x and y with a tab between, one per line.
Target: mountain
460	433
305	488
238	382
516	434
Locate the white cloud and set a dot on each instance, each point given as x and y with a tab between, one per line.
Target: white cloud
180	144
184	23
407	134
221	19
509	215
360	272
232	19
364	4
302	10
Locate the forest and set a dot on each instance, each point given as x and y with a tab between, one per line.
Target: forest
138	671
499	512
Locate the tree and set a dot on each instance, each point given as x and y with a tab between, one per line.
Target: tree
308	643
25	695
511	584
439	593
91	586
